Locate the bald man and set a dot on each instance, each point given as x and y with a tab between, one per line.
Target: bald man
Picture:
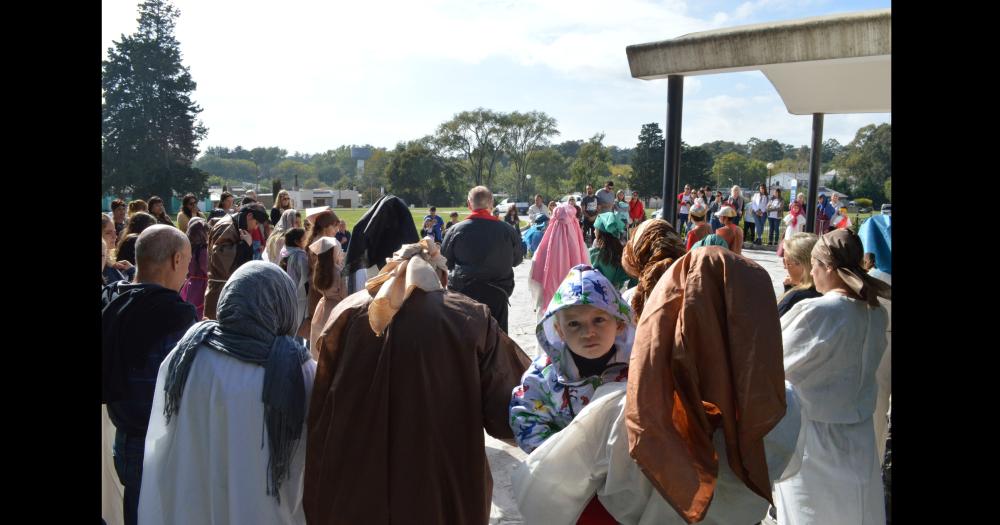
482	252
141	322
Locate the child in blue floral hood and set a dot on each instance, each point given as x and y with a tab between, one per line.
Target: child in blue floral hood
586	334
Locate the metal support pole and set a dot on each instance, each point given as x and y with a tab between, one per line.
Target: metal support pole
814	160
672	148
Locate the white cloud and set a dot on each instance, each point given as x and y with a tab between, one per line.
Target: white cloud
310	75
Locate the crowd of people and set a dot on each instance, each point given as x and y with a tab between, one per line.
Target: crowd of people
258	368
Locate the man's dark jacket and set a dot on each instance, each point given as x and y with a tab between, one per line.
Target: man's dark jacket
140	324
484	251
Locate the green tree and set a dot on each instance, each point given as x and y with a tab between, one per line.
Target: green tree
479	136
149	134
548	169
867	161
227	168
769	150
647	161
592	164
290	169
526	133
569	148
696	166
420	177
721	147
888	189
732	169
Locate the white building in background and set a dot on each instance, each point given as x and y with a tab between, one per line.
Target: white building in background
302	198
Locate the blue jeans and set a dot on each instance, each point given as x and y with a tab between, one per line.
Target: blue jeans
715	224
773	223
128	452
682	220
759	222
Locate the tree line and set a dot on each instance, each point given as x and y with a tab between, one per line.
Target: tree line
150	136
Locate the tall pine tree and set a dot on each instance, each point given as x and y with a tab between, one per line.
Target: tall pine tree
647	161
149	131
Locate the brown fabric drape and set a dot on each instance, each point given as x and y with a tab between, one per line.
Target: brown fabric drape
842	250
707	355
396	422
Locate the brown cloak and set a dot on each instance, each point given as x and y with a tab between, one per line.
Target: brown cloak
707	354
396	422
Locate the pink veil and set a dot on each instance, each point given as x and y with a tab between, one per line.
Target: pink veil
561	248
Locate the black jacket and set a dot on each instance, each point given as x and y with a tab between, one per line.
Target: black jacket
382	230
140	325
482	250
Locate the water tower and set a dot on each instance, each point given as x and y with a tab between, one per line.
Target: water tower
361	155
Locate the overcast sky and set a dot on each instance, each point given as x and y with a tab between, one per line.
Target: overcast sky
309	76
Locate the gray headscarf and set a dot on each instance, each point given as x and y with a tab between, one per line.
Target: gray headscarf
287	221
256	322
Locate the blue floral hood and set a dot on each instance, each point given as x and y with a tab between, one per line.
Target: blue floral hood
584	285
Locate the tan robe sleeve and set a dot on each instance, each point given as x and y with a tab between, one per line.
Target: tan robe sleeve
501	364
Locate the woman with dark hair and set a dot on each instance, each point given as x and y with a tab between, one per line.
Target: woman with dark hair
189	210
717	203
282	203
230	245
295	262
654	246
126	244
512	219
193	290
324	224
157	210
223	207
606	254
327	282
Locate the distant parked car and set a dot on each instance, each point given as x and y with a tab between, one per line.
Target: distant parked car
865	210
576	195
522	207
887	209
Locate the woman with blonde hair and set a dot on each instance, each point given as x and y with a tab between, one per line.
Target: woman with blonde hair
832	348
798	264
282	203
276	241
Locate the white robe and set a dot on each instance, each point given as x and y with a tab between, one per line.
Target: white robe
112	491
591	456
884	374
832	347
209	465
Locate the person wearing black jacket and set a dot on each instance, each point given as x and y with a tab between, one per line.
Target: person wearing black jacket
482	253
140	324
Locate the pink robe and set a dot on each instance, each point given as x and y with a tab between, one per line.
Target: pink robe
562	248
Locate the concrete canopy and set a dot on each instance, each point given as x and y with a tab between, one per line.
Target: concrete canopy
828	64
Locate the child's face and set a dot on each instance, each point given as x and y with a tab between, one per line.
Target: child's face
588	331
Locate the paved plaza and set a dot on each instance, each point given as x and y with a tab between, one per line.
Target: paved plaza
505	457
